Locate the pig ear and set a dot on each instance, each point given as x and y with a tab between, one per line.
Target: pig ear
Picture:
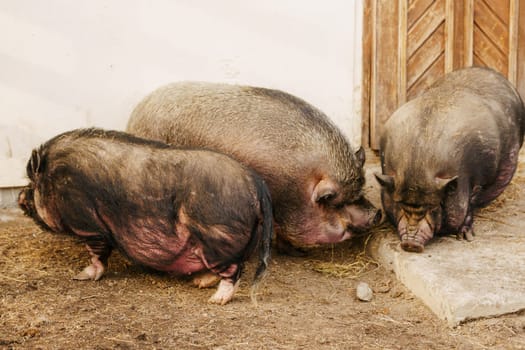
446	182
34	164
360	156
324	191
385	181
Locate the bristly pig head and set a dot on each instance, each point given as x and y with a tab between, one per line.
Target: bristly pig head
415	209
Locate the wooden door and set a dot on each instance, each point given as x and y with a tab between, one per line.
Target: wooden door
409	44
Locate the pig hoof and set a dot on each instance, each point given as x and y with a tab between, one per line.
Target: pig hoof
466	233
411	245
206	280
224	293
92	272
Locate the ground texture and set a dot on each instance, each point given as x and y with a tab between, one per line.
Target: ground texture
303	303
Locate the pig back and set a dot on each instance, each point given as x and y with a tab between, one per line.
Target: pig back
282	137
119	176
464	124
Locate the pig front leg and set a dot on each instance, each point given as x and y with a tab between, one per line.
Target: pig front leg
99	250
459	211
466	231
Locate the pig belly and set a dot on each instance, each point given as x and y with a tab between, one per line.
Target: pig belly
186	263
178	261
175	253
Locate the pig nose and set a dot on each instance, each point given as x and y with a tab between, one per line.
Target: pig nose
412	245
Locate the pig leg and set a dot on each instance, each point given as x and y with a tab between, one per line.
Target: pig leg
466	232
225	292
99	250
229	275
506	171
227	286
286	248
458	209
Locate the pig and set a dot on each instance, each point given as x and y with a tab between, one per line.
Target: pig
315	177
447	152
182	211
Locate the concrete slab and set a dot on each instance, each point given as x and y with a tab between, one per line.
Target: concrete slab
460	280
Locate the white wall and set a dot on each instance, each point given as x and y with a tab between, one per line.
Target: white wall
67	64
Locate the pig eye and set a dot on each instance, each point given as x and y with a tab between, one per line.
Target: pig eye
328	197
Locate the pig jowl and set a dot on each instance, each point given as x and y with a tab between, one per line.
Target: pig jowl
314	175
452	149
186	212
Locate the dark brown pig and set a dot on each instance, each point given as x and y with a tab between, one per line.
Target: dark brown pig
449	151
314	175
173	210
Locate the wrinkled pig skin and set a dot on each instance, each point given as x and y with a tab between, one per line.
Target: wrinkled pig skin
315	177
179	211
452	149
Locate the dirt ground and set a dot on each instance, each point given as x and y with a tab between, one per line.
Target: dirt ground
303	303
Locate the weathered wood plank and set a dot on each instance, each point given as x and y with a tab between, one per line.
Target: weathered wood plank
425	26
459	35
434	72
495	30
367	68
449	36
416	8
384	70
426	56
513	42
520	64
500	8
486	50
468	47
402	53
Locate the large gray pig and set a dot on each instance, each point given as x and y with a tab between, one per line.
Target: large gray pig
449	151
180	211
315	177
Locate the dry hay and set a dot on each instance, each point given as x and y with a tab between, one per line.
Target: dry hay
353	264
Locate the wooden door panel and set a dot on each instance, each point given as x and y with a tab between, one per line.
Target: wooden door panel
487	54
489	23
425	56
428	77
425	26
409	44
416	8
499	7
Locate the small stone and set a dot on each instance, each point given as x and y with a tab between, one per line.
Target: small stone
364	292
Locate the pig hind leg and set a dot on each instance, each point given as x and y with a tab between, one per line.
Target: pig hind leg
228	285
229	275
506	170
206	279
99	250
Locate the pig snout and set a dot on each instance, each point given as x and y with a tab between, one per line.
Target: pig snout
414	237
363	215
